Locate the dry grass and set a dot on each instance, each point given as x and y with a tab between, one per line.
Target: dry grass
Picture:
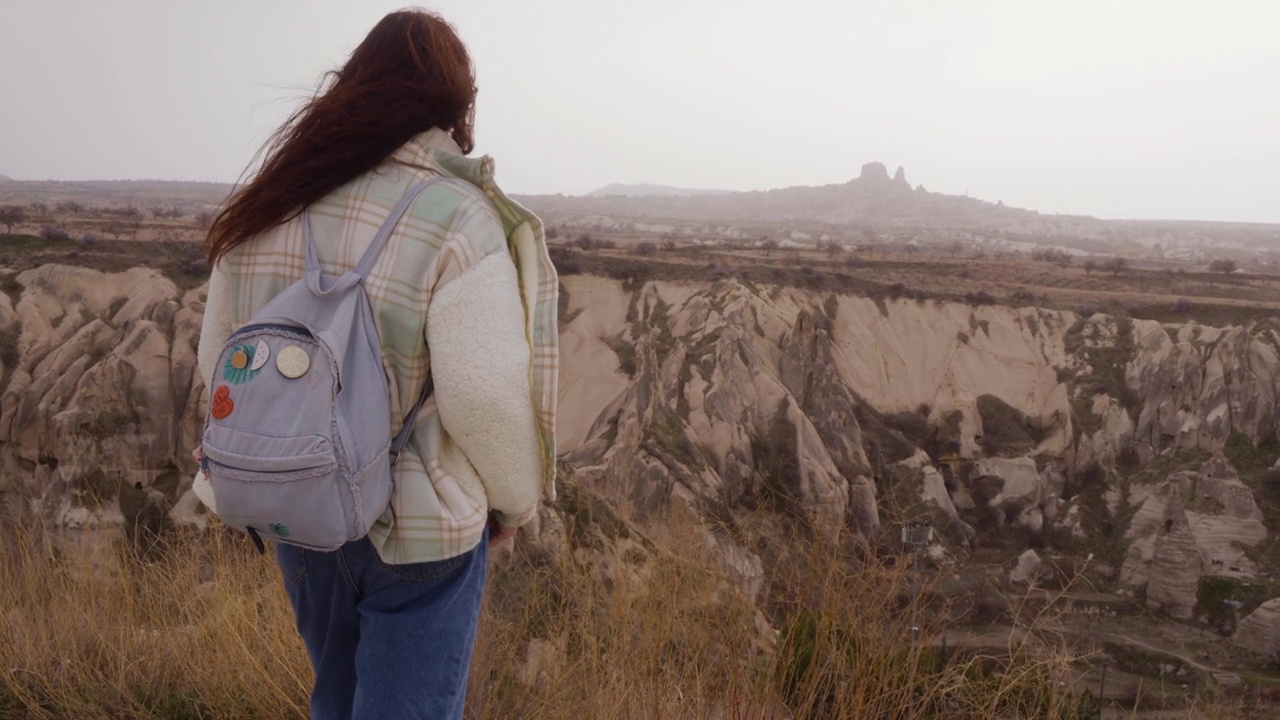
201	630
645	627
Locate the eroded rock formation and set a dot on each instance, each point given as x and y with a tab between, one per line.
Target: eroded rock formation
1259	632
724	399
102	397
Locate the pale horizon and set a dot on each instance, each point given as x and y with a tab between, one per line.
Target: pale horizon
1133	109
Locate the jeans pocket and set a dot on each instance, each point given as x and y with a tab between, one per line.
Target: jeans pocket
292	561
419	572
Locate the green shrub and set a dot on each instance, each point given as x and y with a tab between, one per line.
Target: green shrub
626	352
1006	431
1214	592
1248	458
777	463
885	444
9	356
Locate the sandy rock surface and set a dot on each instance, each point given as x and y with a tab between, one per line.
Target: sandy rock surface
101	397
1259	632
728	398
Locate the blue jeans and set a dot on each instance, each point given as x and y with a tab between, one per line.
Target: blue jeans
385	641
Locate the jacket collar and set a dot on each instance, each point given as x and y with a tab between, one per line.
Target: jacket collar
421	148
435	151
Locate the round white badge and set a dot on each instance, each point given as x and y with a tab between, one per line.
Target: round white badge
293	361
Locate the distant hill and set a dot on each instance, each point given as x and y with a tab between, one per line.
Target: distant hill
649	190
875	199
872	198
5	178
193	196
872	201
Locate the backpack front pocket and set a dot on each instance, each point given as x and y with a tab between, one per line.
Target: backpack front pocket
285	488
268	458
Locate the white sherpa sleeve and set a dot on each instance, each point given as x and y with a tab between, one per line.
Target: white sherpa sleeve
480	359
216	326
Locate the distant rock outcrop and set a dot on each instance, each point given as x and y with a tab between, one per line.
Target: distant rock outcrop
1176	567
1027	569
1186	526
874	172
900	179
1259	632
1200	383
871	198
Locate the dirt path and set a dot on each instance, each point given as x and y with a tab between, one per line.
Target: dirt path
1121	638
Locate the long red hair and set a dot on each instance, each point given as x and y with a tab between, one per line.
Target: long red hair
411	73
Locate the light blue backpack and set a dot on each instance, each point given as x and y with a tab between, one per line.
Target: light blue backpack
297	445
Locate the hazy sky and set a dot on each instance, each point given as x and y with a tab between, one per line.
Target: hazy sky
1113	108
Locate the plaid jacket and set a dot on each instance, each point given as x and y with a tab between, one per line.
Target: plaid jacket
464	289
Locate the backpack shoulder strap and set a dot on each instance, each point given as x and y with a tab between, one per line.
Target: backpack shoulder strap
379	241
384	233
397	444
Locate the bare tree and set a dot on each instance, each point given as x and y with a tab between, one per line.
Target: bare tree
769	245
11	215
1116	265
1090	266
1057	256
1223	265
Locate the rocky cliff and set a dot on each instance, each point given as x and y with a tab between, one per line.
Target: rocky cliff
99	400
1003	426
